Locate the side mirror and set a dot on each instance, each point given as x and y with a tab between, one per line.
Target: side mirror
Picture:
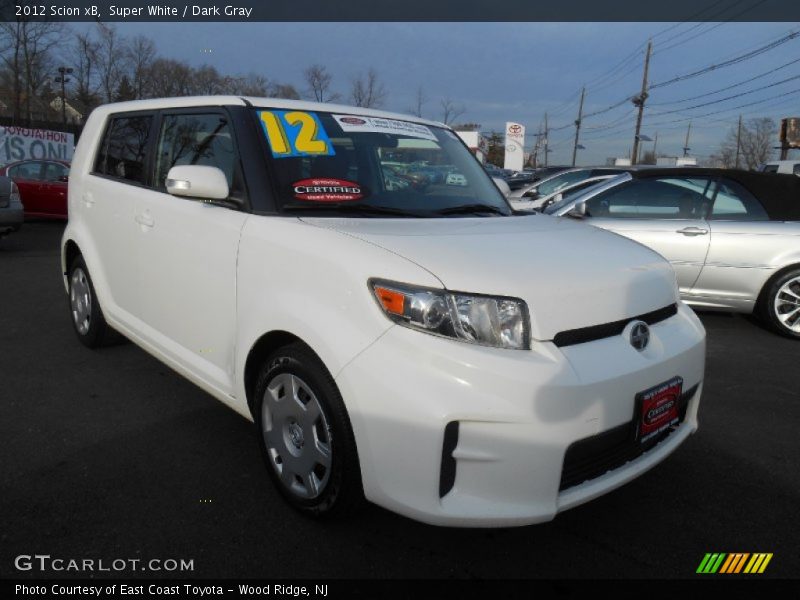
196	181
532	194
578	211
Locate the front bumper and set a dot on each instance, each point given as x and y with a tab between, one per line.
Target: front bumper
517	414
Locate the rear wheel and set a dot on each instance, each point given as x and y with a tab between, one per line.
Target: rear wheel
781	307
305	434
87	319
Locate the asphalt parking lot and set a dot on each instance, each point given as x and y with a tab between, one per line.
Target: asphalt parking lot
109	454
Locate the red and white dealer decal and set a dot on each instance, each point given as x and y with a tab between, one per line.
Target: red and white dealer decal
327	190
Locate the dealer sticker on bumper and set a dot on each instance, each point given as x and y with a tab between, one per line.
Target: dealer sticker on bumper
657	409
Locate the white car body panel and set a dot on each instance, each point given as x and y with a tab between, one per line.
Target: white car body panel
198	285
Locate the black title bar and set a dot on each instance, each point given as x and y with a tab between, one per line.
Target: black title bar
399	10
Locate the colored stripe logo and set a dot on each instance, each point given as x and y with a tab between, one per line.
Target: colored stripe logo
733	563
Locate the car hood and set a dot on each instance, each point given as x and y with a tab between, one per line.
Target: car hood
571	275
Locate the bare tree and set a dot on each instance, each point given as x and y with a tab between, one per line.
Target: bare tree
451	111
368	91
755	144
112	57
26	49
419	102
319	82
248	85
141	52
207	81
168	78
284	90
82	55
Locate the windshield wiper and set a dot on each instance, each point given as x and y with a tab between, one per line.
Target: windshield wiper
471	209
364	209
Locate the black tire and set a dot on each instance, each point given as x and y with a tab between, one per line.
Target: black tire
770	312
286	451
90	327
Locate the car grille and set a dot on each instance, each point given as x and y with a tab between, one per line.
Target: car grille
598	332
594	456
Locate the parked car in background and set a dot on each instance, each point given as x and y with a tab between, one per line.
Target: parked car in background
568	191
733	237
554	183
11	213
42	186
787	167
545	172
494	171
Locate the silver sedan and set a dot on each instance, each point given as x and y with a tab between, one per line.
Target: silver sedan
733	237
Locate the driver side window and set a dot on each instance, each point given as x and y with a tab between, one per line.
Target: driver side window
662	198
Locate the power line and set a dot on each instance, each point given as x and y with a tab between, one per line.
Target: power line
730	87
734	96
712	26
730	109
728	63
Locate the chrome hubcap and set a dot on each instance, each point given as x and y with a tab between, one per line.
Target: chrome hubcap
297	435
80	299
787	305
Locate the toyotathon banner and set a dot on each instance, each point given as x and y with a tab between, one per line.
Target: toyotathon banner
20	143
515	144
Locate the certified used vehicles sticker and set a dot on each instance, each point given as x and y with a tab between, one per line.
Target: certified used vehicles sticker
354	124
293	133
327	190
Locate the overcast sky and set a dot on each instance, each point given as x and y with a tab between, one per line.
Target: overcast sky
517	71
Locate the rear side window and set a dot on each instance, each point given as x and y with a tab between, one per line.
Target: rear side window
734	203
55	172
27	170
195	139
122	154
769	169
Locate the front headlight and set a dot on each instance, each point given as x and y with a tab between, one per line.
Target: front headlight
486	320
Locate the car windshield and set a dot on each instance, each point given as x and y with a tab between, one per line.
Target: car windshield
331	163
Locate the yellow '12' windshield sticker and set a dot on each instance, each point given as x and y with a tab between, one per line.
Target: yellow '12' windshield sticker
293	133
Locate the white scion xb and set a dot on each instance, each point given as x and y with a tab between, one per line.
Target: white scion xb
353	281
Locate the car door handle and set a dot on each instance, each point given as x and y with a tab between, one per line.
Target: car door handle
88	199
692	231
145	220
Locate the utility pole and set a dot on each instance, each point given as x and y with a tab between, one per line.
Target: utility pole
686	143
578	126
655	143
63	80
536	147
639	102
546	135
738	141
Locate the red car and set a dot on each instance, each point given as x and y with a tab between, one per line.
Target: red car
42	186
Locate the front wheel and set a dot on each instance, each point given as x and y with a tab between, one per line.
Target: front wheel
305	434
781	307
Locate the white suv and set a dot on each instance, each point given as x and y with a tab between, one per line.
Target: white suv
353	282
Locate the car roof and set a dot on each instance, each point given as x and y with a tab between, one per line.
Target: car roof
279	103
